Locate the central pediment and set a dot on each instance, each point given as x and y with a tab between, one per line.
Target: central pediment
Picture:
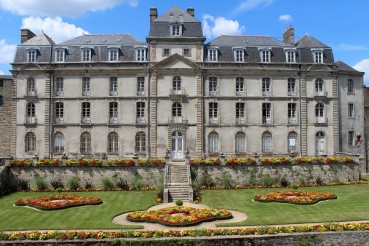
175	61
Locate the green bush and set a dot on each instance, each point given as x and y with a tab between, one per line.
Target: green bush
40	182
56	184
23	184
226	180
137	182
160	187
294	186
267	181
73	183
206	180
107	183
179	202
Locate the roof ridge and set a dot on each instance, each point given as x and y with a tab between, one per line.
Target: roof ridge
107	34
241	35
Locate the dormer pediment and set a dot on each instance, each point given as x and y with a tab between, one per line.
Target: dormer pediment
176	61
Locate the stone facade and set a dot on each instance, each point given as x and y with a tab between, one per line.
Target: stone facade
236	95
6	83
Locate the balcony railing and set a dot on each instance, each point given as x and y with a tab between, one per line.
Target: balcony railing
113	93
292	121
213	120
321	93
178	92
266	93
86	120
291	93
140	120
178	119
59	93
213	93
267	120
240	120
59	120
31	93
113	120
321	120
86	93
30	120
140	92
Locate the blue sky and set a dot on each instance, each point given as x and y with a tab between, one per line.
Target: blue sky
339	24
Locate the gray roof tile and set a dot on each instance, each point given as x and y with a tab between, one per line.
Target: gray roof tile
247	41
103	39
308	41
176	14
41	39
343	66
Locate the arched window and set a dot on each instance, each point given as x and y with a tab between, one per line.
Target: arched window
176	86
292	141
30	142
58	142
113	141
319	113
320	143
240	142
266	142
85	142
319	87
213	142
140	142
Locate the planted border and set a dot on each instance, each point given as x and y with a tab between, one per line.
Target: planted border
295	197
58	202
179	216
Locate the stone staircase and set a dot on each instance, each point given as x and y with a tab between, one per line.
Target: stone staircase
177	184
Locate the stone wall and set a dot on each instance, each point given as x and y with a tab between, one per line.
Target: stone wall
87	174
293	173
5	115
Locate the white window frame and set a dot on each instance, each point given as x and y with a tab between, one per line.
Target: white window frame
31	55
113	112
213	139
351	110
176	30
59	86
141	54
291	135
319	112
240	86
140	142
31	85
140	85
85	142
239	54
240	142
351	138
113	86
86	54
350	86
113	143
59	54
318	55
240	113
291	114
30	142
140	111
58	142
86	112
265	55
59	112
266	113
291	86
212	55
213	112
166	52
266	86
290	55
213	85
113	54
86	90
319	87
267	142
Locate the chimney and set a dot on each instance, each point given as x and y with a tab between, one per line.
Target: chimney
153	14
26	35
289	35
191	11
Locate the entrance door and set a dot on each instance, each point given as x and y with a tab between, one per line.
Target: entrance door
320	143
177	145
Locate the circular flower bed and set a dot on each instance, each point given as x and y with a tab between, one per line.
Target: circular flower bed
295	197
179	215
58	202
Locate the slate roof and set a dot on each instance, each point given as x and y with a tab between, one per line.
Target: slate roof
344	67
38	40
103	39
247	41
160	27
308	41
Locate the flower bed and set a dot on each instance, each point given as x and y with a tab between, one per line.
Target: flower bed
179	215
275	160
21	163
240	161
58	202
151	162
295	197
49	162
121	162
214	161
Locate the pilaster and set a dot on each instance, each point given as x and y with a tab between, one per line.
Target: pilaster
47	116
13	115
304	144
153	115
199	125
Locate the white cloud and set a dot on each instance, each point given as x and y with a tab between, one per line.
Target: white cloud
6	51
214	27
55	28
285	18
363	66
350	47
251	4
1	72
71	8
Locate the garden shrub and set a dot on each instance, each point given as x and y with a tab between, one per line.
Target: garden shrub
179	202
88	185
56	184
225	180
73	183
284	182
107	183
302	181
160	187
268	181
318	181
294	186
40	182
23	184
206	180
137	182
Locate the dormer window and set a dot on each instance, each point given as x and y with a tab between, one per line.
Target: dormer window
213	54
140	52
239	54
86	54
59	54
31	55
317	55
290	55
265	55
176	30
113	54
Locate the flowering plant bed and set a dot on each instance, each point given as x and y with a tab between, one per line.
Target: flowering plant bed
151	162
21	163
305	159
121	162
179	215
275	160
58	202
295	197
214	161
240	161
49	162
339	159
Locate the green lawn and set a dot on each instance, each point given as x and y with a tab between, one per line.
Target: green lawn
85	217
352	204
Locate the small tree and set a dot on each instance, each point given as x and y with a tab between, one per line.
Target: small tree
59	190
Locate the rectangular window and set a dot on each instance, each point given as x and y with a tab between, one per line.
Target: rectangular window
31	56
291	86
351	138
350	86
113	54
141	54
1	100
292	113
1	83
213	83
140	85
238	55
318	56
186	52
140	112
59	112
266	113
166	52
113	112
265	55
213	55
319	87
290	56
240	113
213	113
85	86
266	86
113	86
239	86
176	30
59	87
86	112
86	55
59	55
351	112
